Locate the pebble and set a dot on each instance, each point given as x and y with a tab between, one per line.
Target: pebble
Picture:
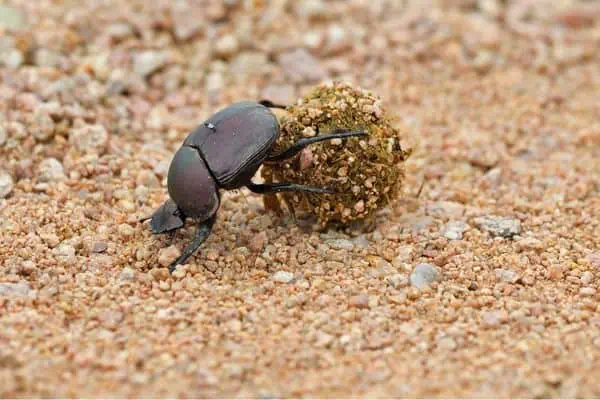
42	127
301	67
65	253
594	259
424	275
587	291
398	281
337	40
126	230
454	230
359	301
258	241
99	247
529	244
311	9
505	227
491	319
340	244
448	209
6	184
167	255
227	46
283	277
147	178
89	138
21	289
147	62
507	275
3	135
587	277
11	18
280	93
50	170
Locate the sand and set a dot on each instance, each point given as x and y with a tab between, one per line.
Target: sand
485	285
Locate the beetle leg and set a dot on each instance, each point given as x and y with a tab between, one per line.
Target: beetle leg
204	231
270	104
302	143
264	188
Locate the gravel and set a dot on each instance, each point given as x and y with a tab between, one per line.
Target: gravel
500	100
424	275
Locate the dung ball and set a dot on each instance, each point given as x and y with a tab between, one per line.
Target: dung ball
365	172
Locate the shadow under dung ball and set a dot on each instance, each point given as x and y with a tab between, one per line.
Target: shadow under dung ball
367	172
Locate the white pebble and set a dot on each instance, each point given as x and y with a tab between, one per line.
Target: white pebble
6	184
283	277
424	275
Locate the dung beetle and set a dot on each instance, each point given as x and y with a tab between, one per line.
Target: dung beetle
224	152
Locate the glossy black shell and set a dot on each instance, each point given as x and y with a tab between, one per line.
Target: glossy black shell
235	141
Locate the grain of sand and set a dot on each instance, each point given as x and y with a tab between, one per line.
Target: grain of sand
486	285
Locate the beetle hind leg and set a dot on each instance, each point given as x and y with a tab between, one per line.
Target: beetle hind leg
302	143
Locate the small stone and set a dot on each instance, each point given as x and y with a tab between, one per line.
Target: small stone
187	23
337	40
301	67
119	30
283	277
50	170
587	277
21	289
505	227
424	275
167	255
587	291
280	93
309	132
398	281
99	247
454	230
89	138
258	241
127	274
227	46
360	301
448	209
529	244
341	244
311	9
11	18
555	272
65	253
126	230
6	184
447	343
594	259
148	62
148	179
491	319
42	128
507	275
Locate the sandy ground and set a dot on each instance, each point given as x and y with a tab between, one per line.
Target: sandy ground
501	101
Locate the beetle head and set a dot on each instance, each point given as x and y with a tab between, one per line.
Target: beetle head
166	218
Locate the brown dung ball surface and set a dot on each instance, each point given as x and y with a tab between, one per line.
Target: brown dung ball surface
366	172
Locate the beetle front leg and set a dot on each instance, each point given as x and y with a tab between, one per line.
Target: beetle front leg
302	143
204	231
265	188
